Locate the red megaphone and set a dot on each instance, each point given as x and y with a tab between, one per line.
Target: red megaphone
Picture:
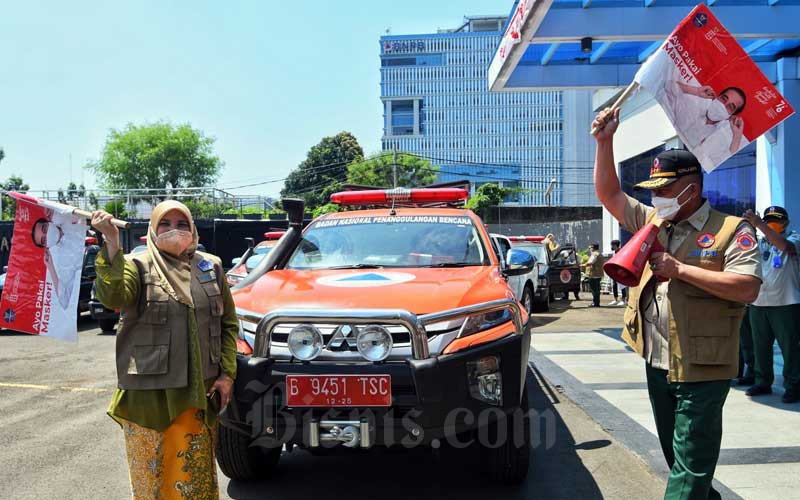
627	265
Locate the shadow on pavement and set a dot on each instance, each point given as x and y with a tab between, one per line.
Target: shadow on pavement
557	472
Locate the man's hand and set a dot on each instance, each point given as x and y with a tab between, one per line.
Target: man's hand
606	124
224	386
754	220
705	91
737	125
665	265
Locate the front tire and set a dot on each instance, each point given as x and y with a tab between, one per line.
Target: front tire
509	463
238	460
527	300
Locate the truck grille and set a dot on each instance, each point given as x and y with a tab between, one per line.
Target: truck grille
400	335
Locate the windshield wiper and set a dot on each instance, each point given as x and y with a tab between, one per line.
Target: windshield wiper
356	266
451	264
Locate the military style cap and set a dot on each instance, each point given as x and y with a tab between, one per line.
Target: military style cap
668	167
776	213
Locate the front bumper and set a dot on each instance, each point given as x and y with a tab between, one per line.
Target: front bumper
430	397
99	311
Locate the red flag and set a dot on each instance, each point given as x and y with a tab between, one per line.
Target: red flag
42	284
716	97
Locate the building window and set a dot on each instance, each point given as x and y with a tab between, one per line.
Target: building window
406	117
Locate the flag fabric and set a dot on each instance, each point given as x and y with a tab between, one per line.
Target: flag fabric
716	97
43	280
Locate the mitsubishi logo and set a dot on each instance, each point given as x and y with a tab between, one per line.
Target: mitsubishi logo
345	334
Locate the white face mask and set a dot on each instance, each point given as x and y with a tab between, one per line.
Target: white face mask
666	208
716	111
174	241
54	235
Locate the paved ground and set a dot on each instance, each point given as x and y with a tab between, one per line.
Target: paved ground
578	350
57	442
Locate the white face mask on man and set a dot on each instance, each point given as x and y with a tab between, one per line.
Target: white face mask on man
717	112
174	241
666	208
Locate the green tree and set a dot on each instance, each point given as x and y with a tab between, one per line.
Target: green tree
13	183
94	203
412	171
157	156
325	164
489	195
117	209
2	154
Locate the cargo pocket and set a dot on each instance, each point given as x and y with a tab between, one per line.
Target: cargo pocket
149	360
711	331
630	320
216	307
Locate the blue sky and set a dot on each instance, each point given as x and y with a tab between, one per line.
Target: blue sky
267	79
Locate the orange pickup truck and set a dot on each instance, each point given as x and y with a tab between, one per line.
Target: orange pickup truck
388	324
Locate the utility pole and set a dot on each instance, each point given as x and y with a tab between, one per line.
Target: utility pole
394	167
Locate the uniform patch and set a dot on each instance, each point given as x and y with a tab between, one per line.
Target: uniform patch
703	253
705	240
205	265
745	241
207	277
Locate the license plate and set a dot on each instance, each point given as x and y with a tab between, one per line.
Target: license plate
98	310
338	390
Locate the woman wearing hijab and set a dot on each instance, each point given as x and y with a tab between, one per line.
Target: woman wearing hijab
175	352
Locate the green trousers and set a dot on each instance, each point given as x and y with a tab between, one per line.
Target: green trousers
594	286
688	418
746	348
781	323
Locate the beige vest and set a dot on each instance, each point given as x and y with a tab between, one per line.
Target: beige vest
595	270
153	336
703	329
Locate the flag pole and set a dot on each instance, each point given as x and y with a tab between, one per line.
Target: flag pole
618	103
64	208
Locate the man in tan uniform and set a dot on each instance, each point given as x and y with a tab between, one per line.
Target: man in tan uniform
594	271
686	328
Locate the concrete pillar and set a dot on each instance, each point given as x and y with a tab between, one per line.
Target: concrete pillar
416	116
778	173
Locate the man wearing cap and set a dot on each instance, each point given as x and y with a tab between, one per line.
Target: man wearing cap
687	328
776	311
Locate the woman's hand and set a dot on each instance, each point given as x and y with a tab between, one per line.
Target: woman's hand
101	220
224	386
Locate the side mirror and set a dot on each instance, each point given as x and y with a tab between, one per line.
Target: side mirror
294	210
235	261
250	242
519	262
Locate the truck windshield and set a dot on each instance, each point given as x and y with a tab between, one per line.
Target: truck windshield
390	241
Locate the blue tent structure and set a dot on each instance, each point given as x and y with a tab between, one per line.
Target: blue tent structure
597	44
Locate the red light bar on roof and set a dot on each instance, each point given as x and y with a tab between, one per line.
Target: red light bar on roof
90	240
274	235
143	239
400	196
536	239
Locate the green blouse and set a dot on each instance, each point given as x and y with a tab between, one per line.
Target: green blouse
118	287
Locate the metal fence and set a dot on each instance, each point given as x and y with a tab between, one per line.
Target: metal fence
204	202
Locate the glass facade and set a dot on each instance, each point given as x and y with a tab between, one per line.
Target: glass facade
437	105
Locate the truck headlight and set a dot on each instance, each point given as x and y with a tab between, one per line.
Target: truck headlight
481	322
374	342
305	342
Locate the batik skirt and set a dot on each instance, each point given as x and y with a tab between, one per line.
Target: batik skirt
175	464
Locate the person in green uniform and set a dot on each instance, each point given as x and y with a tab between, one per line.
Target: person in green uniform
775	313
594	270
687	327
175	353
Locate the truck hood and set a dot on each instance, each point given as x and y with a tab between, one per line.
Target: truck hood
417	290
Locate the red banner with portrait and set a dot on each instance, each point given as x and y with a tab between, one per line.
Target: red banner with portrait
716	97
